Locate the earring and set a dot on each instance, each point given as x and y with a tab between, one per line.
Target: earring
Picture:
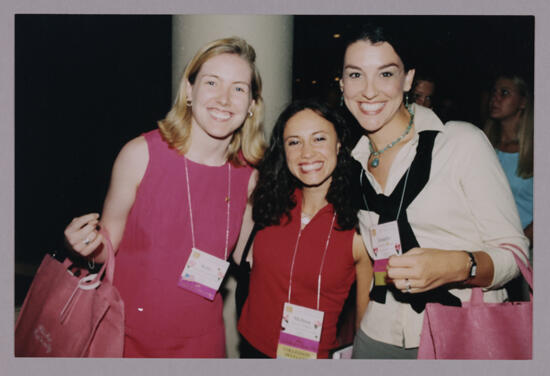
342	100
188	103
250	114
407	100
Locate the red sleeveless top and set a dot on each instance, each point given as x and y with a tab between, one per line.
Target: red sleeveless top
260	321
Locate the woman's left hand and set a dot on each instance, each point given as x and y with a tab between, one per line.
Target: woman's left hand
423	269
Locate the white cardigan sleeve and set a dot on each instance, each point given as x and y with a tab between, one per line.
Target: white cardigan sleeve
491	203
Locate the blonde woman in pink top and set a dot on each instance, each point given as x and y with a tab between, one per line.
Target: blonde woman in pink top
178	194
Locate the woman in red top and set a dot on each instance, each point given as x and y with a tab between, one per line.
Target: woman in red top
307	253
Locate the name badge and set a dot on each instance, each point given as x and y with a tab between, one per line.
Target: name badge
300	332
385	243
203	274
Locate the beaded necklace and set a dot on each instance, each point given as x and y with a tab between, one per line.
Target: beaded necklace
376	154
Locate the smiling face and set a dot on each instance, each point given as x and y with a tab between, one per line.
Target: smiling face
506	101
220	96
373	83
311	148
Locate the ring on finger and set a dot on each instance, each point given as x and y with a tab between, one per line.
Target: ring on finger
407	285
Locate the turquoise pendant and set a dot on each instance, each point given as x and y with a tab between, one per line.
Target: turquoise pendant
375	162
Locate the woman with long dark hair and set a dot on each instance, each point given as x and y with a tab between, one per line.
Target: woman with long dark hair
307	252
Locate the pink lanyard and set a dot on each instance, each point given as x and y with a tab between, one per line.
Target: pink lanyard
226	199
322	262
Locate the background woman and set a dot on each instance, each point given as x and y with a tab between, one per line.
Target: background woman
510	130
180	187
307	251
440	192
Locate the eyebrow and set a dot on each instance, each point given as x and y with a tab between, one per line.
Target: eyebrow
219	78
350	66
313	134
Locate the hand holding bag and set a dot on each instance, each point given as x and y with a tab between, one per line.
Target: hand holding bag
68	316
479	330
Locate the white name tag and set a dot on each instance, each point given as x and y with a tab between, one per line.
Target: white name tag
203	273
385	240
300	332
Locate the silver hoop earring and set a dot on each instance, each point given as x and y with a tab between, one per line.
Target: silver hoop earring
250	114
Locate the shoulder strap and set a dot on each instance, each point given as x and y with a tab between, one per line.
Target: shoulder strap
249	243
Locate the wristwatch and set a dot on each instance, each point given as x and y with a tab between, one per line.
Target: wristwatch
472	265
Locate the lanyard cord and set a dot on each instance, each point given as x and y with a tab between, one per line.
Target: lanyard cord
322	261
402	193
227	199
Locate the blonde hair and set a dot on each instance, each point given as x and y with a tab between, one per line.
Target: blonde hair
525	129
247	143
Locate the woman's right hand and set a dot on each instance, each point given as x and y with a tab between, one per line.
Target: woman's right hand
82	234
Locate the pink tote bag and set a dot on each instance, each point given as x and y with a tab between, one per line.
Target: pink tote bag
68	316
479	330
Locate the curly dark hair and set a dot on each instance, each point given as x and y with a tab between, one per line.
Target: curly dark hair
273	197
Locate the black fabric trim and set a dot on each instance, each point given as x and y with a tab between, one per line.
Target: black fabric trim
387	207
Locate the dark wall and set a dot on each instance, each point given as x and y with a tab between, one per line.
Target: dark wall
462	52
84	86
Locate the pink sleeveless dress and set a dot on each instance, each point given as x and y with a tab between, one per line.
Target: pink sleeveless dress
162	319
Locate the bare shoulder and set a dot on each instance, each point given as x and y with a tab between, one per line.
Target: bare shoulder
359	249
135	148
132	160
134	154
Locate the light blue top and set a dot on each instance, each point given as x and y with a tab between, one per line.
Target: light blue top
521	188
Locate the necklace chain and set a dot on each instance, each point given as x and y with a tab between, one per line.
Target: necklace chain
376	161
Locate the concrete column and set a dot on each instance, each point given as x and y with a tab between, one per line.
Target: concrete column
272	38
270	35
